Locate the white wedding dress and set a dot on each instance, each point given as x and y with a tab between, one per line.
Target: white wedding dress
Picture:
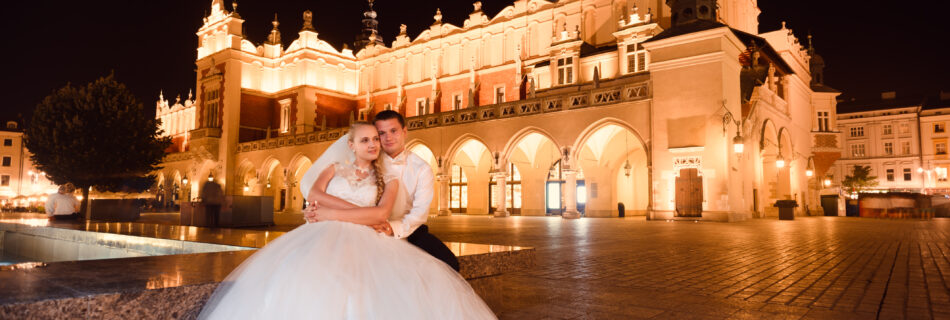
340	270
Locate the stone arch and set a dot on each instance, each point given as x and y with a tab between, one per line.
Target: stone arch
298	166
532	151
475	159
246	175
271	175
614	160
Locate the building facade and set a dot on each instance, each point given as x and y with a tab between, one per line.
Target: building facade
675	109
21	185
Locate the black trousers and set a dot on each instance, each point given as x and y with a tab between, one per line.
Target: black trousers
427	242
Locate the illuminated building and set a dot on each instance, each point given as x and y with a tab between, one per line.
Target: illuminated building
559	108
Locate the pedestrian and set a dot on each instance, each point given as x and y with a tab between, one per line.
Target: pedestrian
62	205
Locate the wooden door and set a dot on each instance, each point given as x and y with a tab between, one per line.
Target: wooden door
689	193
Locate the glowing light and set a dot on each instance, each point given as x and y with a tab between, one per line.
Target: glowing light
737	144
809	173
920	170
780	162
827	182
246	188
184	181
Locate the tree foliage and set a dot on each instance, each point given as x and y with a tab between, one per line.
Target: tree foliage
98	135
860	179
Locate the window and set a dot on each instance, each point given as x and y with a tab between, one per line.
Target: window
636	58
941	173
211	108
4	181
500	94
889	148
905	147
857	132
890	174
823	121
565	71
940	148
887	129
857	151
457	101
7	161
458	190
285	115
7	142
907	176
422	108
939	127
905	128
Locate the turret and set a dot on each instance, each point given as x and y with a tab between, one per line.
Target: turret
370	33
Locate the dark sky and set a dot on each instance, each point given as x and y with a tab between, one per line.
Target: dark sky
151	45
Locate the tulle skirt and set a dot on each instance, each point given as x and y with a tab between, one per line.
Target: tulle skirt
339	270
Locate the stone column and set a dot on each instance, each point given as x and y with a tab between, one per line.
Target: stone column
570	195
500	180
443	181
289	195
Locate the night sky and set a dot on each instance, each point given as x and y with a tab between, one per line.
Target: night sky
151	45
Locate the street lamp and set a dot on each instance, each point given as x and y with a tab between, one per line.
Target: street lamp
827	182
780	161
810	169
184	181
737	144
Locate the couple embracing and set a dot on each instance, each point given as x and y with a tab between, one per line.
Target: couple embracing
365	253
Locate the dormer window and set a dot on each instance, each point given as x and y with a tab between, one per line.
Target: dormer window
565	71
636	58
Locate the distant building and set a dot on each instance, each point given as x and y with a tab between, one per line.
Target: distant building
902	139
21	185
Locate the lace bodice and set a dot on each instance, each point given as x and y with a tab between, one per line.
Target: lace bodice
347	185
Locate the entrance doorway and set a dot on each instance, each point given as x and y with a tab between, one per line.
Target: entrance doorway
829	203
689	193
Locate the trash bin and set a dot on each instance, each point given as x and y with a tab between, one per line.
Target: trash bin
786	209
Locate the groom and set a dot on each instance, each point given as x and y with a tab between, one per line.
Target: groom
416	176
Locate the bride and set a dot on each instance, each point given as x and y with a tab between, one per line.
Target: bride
339	267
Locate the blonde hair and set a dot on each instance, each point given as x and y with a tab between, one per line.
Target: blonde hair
377	165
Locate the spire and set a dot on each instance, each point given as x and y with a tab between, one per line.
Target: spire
308	21
370	29
274	37
234	12
438	16
816	64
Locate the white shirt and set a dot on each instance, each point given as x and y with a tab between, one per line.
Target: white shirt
415	175
61	204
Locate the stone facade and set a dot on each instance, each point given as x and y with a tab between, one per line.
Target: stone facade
564	108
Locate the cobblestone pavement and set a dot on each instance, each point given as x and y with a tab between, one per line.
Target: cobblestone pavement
815	267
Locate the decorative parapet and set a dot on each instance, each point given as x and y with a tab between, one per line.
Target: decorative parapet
292	140
573	100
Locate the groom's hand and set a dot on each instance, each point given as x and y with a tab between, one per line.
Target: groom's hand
384	228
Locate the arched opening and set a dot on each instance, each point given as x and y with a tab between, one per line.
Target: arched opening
274	185
531	155
426	154
554	191
469	169
298	168
613	166
769	155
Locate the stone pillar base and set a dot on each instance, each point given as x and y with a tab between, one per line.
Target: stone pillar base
501	214
445	213
571	214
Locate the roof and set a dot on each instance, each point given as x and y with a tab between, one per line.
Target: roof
877	104
820	87
744	37
589	50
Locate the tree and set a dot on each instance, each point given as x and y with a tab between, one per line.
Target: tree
98	136
859	179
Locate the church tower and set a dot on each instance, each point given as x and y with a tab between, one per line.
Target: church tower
370	33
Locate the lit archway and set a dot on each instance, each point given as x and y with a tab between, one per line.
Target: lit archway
426	154
298	167
612	153
470	164
531	153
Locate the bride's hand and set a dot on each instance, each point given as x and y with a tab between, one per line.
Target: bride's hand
310	214
384	228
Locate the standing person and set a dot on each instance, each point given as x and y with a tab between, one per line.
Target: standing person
62	205
212	197
339	267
